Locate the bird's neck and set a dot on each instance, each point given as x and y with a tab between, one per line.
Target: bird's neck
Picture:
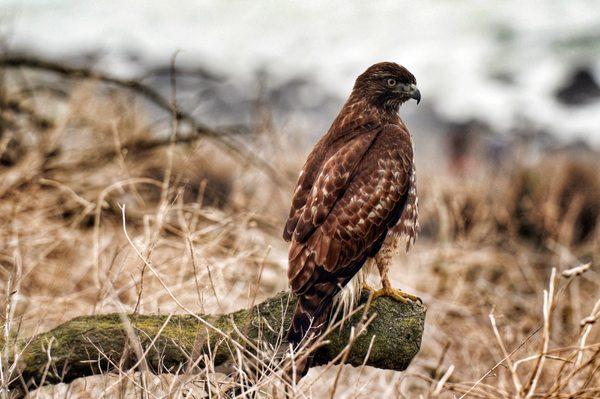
358	115
382	113
386	108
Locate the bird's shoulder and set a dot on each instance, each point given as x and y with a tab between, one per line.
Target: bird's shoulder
345	216
335	154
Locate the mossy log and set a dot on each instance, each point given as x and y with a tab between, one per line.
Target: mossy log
96	344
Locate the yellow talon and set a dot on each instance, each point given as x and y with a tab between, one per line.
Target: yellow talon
367	287
396	294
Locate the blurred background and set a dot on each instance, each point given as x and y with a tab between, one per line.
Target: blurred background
507	140
504	71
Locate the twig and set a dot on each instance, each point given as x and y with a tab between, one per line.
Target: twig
548	306
483	377
442	381
511	366
18	107
229	142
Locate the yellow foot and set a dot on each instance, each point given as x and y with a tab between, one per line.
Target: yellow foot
398	295
367	287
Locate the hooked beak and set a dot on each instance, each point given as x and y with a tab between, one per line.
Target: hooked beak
411	91
415	93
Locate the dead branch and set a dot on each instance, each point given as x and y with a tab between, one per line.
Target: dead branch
150	94
94	344
19	108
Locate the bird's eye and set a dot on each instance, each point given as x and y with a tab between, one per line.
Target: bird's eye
391	82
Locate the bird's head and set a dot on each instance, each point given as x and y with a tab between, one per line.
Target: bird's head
387	85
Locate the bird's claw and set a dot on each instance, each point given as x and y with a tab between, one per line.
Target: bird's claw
398	295
367	287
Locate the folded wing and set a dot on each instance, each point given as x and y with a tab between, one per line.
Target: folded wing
359	194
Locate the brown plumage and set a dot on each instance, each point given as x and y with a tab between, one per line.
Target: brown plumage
356	188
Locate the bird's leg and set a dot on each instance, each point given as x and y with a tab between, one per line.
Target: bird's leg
363	275
367	287
383	259
394	293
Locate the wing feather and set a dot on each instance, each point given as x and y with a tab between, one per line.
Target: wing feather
330	185
366	204
343	131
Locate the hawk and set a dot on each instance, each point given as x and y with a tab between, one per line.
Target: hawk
355	199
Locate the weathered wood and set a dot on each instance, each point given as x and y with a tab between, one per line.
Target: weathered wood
93	344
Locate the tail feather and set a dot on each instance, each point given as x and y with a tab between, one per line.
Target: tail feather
309	321
314	306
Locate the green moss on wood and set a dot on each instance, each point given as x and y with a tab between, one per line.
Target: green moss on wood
92	344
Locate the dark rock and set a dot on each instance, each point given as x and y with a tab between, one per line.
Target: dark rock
581	88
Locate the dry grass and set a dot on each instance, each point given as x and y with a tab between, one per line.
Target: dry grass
506	318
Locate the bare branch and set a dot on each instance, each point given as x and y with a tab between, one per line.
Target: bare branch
230	143
390	341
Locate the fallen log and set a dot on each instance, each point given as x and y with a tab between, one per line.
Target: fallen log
90	345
